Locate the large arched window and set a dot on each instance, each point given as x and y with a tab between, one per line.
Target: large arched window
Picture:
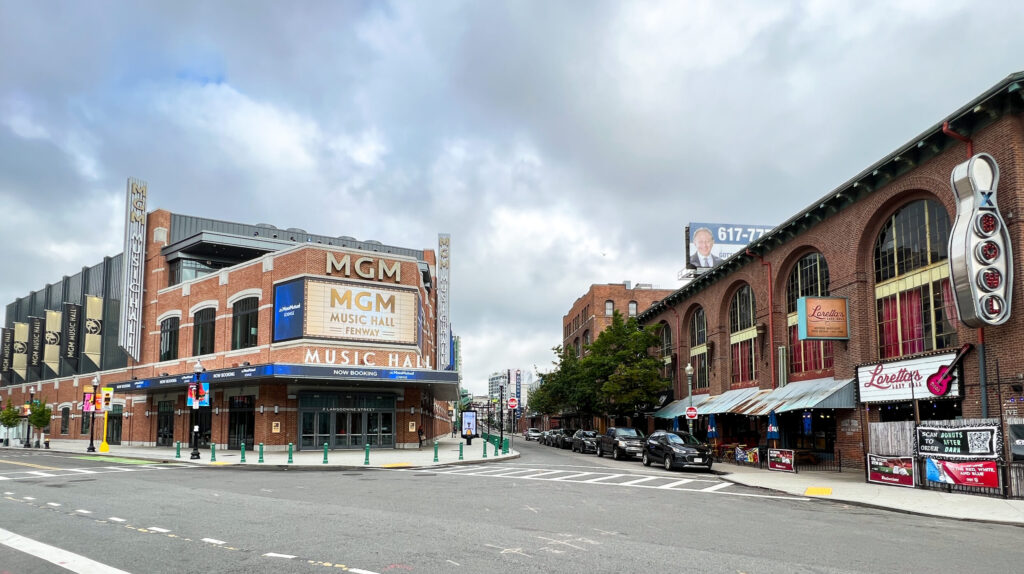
742	334
913	299
245	323
203	324
699	349
667	348
169	339
808	279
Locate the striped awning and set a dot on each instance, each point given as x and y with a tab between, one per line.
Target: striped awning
813	394
725	402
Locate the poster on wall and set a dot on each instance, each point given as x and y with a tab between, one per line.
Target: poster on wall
894	470
708	244
359	312
781	459
962	442
979	473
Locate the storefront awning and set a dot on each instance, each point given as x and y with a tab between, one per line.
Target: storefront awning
678	408
827	393
725	402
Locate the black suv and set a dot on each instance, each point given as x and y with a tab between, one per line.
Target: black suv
676	449
562	438
620	442
584	441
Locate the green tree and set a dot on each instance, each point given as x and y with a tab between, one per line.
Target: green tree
620	361
9	418
39	416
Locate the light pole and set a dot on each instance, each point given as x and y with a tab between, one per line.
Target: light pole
196	392
689	392
92	412
28	419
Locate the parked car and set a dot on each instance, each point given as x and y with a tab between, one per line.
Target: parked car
561	438
620	442
584	441
532	434
676	449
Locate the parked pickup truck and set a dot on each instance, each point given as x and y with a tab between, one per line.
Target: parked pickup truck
620	442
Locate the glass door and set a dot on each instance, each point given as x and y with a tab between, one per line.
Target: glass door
357	423
323	429
165	423
114	424
307	430
387	429
241	420
341	434
373	429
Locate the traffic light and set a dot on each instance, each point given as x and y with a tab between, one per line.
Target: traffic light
980	256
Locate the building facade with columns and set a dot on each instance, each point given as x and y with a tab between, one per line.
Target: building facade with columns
296	338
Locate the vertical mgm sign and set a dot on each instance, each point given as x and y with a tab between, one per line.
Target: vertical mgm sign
132	267
444	327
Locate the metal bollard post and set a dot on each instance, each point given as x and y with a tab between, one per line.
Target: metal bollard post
243	452
325	453
435	451
504	447
177	451
213	452
485	449
460	451
290	453
495	446
366	461
261	453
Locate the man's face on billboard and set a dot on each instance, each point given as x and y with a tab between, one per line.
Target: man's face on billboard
704	243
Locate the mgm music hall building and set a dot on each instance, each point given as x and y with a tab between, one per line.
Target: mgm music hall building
298	338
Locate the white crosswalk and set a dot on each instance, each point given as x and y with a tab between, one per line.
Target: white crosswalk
673	482
66	472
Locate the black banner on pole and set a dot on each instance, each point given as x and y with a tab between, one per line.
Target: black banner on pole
35	344
70	341
6	355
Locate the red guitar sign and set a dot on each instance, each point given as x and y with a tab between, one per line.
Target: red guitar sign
938	383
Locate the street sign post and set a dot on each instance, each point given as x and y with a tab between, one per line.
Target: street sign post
691	412
513	403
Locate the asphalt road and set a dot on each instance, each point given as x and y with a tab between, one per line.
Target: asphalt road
548	511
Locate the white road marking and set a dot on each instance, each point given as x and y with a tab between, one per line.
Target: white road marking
715	487
8	493
638	481
360	571
81	470
116	519
676	483
52	554
577	475
600	478
212	541
160	530
276	555
84	511
53	504
38	473
28	498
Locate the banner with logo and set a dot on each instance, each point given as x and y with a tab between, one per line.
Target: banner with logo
88	399
204	397
19	362
894	470
70	333
981	473
6	354
961	442
94	329
781	459
359	312
822	318
35	345
51	341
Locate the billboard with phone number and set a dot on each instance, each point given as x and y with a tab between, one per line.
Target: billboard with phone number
708	244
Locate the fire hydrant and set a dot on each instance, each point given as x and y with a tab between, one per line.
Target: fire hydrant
46	442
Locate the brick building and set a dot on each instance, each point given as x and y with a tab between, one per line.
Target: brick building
877	248
592	312
298	338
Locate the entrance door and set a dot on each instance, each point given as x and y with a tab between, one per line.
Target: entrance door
316	429
241	420
165	423
114	425
380	429
357	422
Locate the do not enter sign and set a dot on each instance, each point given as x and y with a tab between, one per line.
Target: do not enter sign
513	402
691	412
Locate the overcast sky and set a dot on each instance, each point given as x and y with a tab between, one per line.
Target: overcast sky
560	143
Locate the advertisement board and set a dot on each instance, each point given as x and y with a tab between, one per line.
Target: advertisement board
468	425
961	442
908	380
979	473
781	459
204	396
289	302
894	470
360	312
822	318
708	244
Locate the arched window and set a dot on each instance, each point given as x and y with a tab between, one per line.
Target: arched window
742	333
203	326
65	420
576	346
699	349
667	348
808	279
586	338
169	338
632	308
913	299
609	308
245	323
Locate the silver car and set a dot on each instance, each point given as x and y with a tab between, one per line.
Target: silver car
532	434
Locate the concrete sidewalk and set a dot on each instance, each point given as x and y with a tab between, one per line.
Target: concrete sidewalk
312	459
851	487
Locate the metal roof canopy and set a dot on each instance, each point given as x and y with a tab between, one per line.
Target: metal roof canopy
678	408
724	402
817	393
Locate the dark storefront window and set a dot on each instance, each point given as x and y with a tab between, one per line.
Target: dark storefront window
169	338
182	270
65	420
245	324
204	323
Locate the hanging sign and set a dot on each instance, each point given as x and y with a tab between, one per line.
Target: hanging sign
133	264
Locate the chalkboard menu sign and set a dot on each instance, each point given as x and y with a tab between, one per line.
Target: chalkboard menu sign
962	442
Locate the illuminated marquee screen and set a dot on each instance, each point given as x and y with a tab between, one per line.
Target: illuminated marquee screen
361	312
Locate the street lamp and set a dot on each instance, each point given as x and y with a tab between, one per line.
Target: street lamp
689	391
196	391
92	412
28	419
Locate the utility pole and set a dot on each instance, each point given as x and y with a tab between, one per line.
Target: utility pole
501	416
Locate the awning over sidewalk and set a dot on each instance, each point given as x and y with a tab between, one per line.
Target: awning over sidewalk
678	408
725	402
827	393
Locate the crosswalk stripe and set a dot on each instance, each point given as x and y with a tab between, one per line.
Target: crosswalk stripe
638	481
715	487
676	483
600	478
39	473
572	476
